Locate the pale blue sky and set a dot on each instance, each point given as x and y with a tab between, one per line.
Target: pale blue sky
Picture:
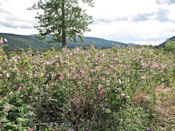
136	21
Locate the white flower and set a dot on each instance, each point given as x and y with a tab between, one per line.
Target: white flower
5	40
8	75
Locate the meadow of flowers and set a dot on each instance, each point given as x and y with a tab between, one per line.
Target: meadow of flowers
78	89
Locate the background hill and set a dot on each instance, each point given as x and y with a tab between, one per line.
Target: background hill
172	39
21	41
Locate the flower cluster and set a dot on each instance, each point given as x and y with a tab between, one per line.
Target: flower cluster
41	85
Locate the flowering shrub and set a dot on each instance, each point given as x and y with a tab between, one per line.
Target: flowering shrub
79	89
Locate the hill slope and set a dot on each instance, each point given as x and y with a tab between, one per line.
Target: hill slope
164	43
21	41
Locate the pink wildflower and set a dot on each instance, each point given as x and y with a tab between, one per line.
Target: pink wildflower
68	76
119	89
143	65
143	78
103	54
7	107
91	70
44	70
79	77
64	49
23	68
0	68
42	74
82	74
103	78
119	81
61	77
110	73
142	71
30	129
99	86
35	74
101	92
116	59
163	67
8	75
122	95
113	54
126	96
47	75
75	76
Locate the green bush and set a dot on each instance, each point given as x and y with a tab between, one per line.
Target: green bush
170	46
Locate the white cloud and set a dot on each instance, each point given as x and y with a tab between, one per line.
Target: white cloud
15	18
139	21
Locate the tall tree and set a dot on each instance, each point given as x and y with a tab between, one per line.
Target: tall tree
61	19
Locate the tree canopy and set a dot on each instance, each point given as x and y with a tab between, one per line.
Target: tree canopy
62	18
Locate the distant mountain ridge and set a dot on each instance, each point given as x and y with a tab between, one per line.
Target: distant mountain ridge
20	41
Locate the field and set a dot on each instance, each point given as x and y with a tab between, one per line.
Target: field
130	88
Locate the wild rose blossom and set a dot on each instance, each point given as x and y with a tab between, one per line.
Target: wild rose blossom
99	86
7	107
119	89
113	54
102	54
119	81
91	70
143	65
101	92
68	75
110	73
122	95
82	74
30	129
64	49
116	59
163	67
61	77
35	74
143	78
75	76
8	75
47	75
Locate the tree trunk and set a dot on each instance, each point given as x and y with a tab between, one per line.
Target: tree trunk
64	45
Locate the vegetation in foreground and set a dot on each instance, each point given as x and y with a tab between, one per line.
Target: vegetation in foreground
129	88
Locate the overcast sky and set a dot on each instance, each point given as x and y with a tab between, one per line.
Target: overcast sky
136	21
